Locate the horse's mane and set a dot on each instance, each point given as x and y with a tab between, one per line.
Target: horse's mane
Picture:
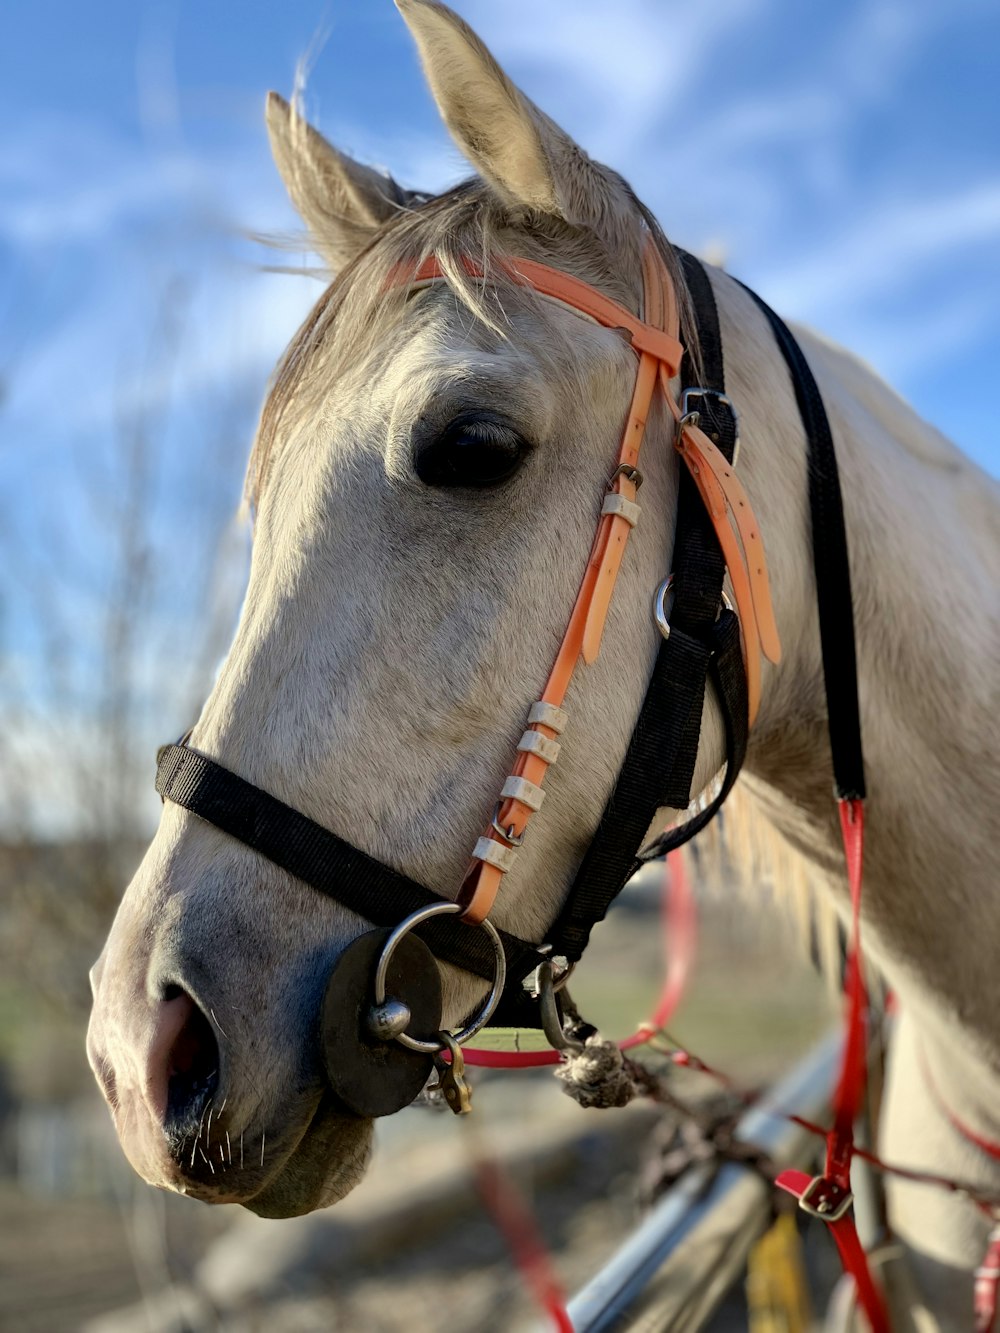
469	221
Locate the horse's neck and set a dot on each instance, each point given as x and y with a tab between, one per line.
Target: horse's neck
923	574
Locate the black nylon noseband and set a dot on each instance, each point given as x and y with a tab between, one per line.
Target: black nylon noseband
704	644
325	862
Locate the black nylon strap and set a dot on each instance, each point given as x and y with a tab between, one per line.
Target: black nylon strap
613	854
729	678
698	564
660	761
832	567
325	862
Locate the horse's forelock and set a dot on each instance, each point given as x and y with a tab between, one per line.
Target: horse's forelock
467	222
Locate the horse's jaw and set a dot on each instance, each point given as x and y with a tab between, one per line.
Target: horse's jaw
323	1167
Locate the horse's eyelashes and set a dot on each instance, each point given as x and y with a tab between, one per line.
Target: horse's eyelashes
474	450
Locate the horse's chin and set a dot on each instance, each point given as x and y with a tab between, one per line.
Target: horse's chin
328	1162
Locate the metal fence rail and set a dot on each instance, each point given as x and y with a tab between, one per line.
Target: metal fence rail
678	1265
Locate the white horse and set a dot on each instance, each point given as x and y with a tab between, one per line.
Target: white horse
395	630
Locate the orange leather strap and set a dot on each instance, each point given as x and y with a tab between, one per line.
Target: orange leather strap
663	345
654	338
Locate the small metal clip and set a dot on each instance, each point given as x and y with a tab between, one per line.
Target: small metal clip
452	1083
548	1008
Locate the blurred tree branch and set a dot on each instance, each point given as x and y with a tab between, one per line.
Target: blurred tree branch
115	653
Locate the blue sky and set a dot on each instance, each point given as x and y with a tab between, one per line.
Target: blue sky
842	156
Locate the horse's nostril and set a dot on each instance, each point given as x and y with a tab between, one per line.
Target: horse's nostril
192	1068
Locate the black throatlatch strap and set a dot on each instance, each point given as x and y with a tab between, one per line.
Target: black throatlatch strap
313	854
832	567
698	564
659	764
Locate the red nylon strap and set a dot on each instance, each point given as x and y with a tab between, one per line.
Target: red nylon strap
989	1146
834	1186
854	1064
512	1215
987	1287
852	1255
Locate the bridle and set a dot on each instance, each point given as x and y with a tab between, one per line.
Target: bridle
700	640
380	1048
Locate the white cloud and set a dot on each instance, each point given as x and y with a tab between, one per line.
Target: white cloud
885	249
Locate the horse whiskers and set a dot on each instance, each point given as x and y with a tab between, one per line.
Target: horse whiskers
220	1027
263	1138
241	1150
229	1146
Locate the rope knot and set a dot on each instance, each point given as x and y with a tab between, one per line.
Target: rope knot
596	1075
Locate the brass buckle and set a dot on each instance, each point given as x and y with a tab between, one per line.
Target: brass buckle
825	1199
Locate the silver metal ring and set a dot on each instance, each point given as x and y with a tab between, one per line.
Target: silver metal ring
492	1000
660	606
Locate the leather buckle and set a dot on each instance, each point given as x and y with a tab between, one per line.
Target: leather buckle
825	1199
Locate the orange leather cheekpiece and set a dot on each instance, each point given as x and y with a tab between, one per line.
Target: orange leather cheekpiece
655	341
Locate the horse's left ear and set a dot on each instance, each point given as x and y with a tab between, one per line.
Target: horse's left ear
341	201
513	145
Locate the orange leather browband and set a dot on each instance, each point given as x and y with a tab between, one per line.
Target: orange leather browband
655	341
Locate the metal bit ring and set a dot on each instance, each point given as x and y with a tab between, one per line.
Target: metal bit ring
492	1000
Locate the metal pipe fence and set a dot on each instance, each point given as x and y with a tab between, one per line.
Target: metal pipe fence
678	1265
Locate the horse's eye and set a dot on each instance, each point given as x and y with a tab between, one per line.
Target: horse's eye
473	450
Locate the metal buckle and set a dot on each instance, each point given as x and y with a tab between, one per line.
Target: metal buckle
509	836
825	1199
625	470
704	394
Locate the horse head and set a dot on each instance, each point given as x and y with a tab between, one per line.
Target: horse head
425	483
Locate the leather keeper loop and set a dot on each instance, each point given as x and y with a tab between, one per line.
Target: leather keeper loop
494	853
533	742
620	507
520	789
548	715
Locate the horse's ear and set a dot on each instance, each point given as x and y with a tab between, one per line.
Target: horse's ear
340	201
513	145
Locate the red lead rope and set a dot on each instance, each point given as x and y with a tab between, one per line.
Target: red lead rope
514	1219
829	1196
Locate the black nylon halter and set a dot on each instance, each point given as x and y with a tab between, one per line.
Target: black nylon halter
704	643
